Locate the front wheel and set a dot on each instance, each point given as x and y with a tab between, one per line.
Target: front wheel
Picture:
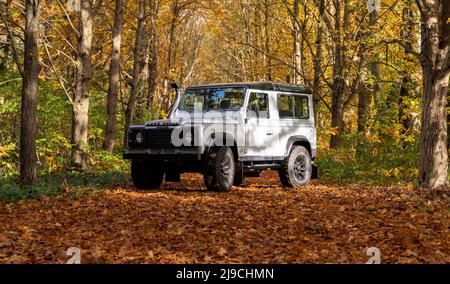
296	169
220	169
147	174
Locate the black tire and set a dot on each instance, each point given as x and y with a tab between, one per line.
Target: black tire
220	168
296	169
238	174
147	175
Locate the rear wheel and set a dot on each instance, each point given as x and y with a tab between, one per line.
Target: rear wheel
147	175
220	169
296	169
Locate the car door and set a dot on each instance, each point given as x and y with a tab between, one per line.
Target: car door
293	119
258	126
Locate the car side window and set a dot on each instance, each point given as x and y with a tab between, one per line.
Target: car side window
293	106
258	106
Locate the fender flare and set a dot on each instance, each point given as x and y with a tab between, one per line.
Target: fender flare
220	139
298	138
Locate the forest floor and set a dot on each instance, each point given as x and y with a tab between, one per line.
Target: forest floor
260	222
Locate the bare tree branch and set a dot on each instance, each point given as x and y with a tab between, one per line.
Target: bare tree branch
13	45
407	48
75	30
56	72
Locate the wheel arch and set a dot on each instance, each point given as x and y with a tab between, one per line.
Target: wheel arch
298	141
221	140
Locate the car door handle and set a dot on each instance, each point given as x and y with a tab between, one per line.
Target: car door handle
269	133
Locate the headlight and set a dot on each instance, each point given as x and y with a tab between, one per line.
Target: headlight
139	138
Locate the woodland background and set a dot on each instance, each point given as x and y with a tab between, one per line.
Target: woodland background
110	64
74	74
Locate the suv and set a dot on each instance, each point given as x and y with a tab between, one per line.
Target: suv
228	132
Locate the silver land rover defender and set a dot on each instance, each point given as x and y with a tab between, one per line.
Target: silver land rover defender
228	132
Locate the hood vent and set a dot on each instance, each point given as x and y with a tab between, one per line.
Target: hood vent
163	122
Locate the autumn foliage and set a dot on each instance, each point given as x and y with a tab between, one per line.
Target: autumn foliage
380	116
258	223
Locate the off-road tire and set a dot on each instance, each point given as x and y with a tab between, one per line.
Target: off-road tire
220	168
296	170
147	175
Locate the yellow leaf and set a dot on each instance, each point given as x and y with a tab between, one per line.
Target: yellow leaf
248	218
222	251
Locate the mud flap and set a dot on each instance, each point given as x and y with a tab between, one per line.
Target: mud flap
173	176
315	172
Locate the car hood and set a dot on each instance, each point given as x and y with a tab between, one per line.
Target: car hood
204	119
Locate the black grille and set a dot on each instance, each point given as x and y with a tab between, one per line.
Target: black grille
158	138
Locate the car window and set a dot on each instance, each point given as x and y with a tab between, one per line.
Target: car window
258	106
217	99
293	106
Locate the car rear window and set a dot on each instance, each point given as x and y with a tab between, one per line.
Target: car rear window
293	106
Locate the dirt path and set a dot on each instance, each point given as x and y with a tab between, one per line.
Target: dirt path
259	223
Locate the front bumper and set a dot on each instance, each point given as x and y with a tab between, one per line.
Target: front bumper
177	154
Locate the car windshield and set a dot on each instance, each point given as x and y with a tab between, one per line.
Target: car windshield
219	99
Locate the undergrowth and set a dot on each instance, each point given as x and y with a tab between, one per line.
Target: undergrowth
57	184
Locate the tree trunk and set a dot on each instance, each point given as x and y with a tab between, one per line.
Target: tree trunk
433	137
143	74
80	107
375	67
28	158
114	80
255	26
248	69
363	108
267	58
170	57
435	61
365	94
136	68
297	54
448	119
4	52
318	58
337	112
406	35
404	117
153	62
338	89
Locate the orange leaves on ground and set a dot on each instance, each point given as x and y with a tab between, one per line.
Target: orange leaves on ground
259	223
